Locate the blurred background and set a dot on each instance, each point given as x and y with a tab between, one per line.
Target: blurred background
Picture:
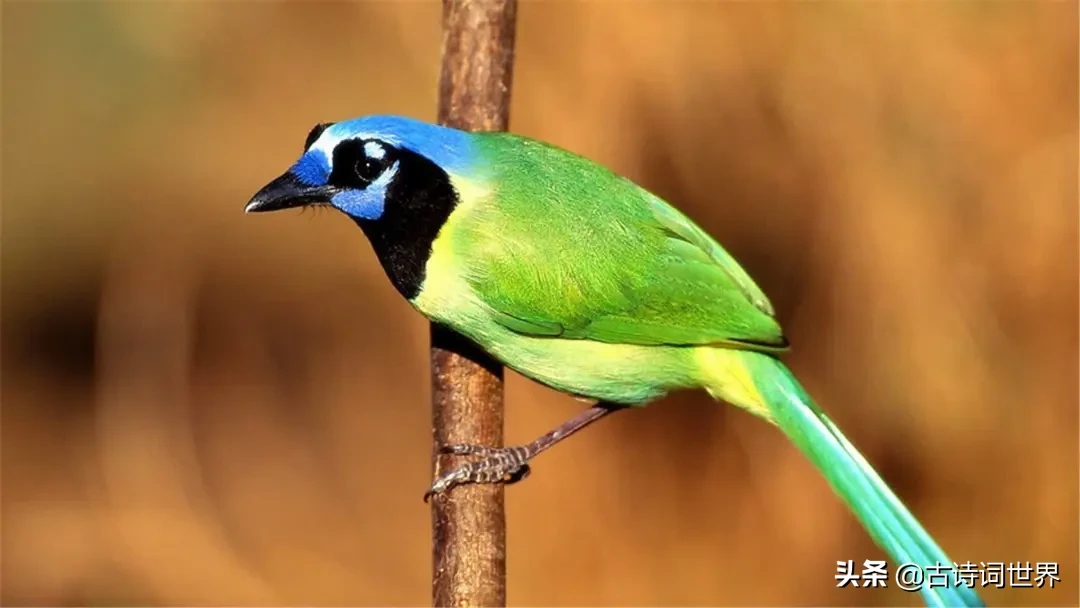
198	407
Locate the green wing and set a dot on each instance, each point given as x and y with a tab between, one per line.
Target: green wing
565	248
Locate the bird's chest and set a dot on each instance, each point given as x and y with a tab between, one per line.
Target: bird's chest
445	295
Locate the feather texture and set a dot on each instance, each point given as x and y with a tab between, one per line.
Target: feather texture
563	247
584	281
763	384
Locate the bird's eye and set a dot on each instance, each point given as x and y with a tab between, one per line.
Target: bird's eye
368	169
358	162
372	162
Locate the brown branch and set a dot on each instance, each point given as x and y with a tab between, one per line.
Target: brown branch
468	521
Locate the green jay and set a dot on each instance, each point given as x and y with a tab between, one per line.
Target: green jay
582	280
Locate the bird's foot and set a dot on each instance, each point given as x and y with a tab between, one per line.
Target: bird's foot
497	465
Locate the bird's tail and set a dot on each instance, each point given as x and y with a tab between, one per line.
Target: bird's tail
763	385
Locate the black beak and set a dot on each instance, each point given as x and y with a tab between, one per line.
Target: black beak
287	192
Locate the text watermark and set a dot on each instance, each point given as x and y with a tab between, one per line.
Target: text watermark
914	577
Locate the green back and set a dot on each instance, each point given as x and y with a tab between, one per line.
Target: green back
567	248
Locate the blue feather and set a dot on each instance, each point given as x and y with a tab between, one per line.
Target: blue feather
369	203
450	149
312	169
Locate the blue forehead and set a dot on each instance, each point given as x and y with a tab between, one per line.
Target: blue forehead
450	149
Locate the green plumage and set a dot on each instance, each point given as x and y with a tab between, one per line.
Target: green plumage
582	280
619	266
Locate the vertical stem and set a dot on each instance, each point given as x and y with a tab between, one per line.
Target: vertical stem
469	521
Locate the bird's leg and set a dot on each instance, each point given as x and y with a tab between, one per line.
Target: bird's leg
511	464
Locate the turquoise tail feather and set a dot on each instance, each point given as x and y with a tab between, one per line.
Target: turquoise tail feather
887	520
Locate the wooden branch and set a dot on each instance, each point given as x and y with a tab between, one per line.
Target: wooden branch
469	522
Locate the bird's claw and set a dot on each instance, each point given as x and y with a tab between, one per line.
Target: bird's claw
498	465
465	449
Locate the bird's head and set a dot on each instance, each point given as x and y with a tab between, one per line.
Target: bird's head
369	167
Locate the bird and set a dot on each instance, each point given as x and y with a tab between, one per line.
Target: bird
580	279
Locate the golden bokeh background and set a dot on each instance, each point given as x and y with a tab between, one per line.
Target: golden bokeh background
207	408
